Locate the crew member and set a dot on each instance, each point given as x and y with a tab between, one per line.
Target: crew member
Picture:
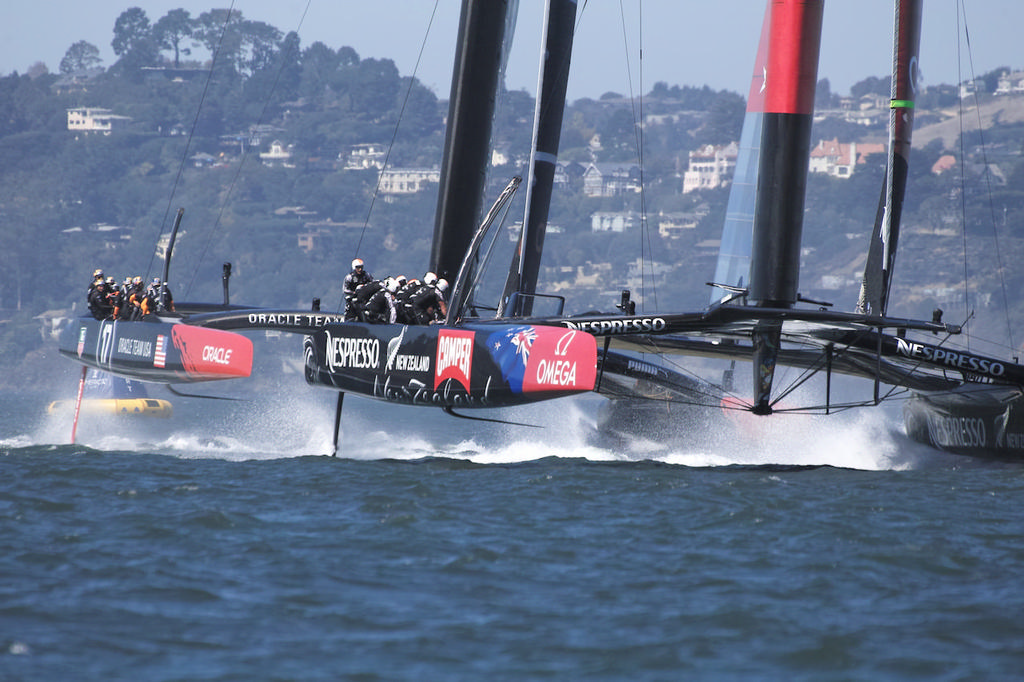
115	297
362	296
97	277
98	304
403	301
133	300
428	304
380	308
353	280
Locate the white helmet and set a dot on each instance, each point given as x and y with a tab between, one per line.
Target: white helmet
357	263
429	278
442	285
391	284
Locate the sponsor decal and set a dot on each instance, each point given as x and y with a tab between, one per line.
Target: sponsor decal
454	357
160	356
641	367
293	319
1013	440
106	342
544	358
412	363
618	325
950	358
221	356
82	333
963	432
207	353
510	349
562	361
346	352
140	348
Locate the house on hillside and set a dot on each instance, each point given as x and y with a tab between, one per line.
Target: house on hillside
946	162
840	159
674	225
610	179
279	155
364	155
867	110
614	221
710	166
1010	83
95	120
407	180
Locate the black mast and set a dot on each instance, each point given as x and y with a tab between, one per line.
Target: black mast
874	293
522	277
468	137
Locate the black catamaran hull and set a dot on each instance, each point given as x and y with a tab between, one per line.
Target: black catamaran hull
976	420
157	350
471	366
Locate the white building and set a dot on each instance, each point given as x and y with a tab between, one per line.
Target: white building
95	120
614	221
279	155
839	159
407	180
710	167
365	155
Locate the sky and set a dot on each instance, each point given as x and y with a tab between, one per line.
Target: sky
684	42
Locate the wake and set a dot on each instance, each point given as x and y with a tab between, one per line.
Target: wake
302	425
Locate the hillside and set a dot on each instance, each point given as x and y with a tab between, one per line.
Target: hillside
260	154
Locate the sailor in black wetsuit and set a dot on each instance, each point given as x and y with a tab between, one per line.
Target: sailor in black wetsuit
380	309
353	280
428	304
403	301
98	304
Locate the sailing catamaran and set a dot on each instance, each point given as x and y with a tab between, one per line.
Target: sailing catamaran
511	355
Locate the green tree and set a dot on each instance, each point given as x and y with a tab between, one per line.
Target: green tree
319	63
871	85
172	30
81	56
725	119
133	41
131	31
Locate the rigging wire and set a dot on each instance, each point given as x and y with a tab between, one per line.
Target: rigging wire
394	136
636	108
987	175
245	152
192	132
963	173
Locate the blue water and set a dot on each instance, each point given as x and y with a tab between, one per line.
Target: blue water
223	545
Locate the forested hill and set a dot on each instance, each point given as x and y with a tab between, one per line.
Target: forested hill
189	132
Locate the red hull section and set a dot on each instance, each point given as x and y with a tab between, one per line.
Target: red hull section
158	351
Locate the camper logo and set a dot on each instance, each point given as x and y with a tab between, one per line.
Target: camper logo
454	357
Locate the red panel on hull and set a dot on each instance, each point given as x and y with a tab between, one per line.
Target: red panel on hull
560	360
212	353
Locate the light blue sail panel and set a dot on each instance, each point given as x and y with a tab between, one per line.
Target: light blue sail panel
734	253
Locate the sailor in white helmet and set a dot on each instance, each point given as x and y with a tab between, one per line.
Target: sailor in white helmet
353	281
380	308
428	304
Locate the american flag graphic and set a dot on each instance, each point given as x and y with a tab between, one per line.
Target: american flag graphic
160	356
